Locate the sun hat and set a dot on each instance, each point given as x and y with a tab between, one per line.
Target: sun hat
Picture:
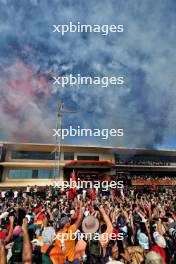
90	224
159	240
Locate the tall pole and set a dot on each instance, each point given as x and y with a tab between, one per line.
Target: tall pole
58	140
60	112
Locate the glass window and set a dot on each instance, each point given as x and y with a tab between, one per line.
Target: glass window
20	174
87	157
144	159
45	174
36	155
34	174
68	156
30	174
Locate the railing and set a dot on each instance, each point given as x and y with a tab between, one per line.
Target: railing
154	182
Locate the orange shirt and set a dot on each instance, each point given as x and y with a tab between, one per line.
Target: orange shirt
68	240
56	254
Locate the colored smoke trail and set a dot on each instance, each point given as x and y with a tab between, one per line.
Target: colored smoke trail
30	53
23	96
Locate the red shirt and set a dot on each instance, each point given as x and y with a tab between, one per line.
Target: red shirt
2	235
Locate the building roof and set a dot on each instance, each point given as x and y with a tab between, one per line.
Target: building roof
84	148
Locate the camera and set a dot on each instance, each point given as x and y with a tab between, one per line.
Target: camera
172	233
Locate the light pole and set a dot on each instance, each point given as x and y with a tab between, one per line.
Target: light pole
60	112
60	108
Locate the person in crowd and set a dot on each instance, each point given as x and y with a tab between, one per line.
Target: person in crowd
65	236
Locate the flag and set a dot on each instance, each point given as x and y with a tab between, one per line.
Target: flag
72	191
91	193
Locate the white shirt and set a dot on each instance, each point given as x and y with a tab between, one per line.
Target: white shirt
15	194
28	189
3	194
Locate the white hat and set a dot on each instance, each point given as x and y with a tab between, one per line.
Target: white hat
72	212
159	240
90	224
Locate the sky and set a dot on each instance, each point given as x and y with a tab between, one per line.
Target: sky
31	54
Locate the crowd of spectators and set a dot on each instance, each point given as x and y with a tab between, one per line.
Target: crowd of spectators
53	225
153	177
143	162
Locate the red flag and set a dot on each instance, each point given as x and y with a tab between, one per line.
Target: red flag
72	191
91	194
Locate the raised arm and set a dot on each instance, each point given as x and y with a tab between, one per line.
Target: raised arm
11	219
3	258
106	220
80	215
27	247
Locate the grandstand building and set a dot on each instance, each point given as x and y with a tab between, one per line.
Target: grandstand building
23	164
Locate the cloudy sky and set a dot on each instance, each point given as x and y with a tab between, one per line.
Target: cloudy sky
31	54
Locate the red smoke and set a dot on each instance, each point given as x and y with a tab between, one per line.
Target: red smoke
23	91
